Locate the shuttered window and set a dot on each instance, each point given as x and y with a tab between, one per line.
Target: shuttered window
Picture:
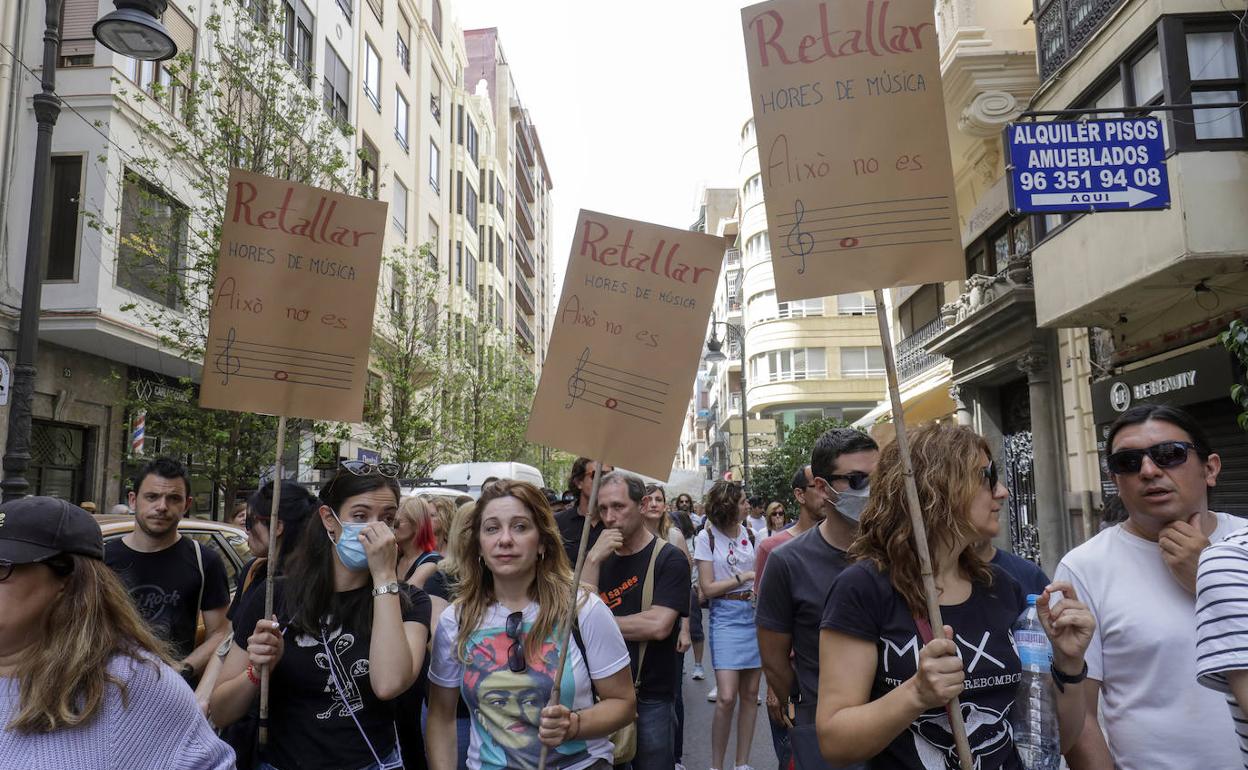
181	30
377	7
77	43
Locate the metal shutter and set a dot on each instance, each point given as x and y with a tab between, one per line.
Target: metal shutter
181	30
1231	444
77	19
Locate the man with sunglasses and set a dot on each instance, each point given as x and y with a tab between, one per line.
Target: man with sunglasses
171	579
800	573
1138	580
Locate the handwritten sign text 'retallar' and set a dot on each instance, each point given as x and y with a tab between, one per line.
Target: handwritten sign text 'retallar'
291	315
626	342
852	145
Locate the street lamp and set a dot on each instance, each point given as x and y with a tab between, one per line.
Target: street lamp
715	354
133	30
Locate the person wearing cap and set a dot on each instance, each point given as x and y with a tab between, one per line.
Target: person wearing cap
83	680
172	579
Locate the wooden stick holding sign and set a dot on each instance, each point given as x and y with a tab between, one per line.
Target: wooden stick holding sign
957	725
565	624
265	670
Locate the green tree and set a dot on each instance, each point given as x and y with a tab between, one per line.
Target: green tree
772	478
241	104
1235	339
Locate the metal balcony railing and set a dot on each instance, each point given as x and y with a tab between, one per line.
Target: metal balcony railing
524	332
524	257
912	356
1064	26
524	295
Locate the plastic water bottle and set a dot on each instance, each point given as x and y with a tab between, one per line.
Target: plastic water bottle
1034	716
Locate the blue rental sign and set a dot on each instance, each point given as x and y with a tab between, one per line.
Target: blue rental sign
1087	165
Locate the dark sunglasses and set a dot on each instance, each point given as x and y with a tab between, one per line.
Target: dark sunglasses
363	468
857	480
990	475
1167	454
515	653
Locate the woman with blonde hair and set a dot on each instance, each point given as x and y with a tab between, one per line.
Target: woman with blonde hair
496	646
879	701
775	518
418	547
443	509
83	682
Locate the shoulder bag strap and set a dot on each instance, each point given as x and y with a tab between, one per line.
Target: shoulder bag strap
647	599
199	562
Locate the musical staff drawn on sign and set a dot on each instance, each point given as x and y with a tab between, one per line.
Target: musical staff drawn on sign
868	226
234	357
622	392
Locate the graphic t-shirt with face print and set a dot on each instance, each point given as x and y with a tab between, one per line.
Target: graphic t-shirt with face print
506	705
864	604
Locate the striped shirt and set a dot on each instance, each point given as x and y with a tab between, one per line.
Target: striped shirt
1222	622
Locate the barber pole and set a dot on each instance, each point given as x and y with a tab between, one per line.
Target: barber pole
138	430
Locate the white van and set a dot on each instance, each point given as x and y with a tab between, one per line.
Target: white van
469	476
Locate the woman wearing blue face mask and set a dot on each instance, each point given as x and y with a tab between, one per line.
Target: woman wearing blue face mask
347	637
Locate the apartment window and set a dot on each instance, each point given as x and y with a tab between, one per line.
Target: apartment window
372	74
152	241
403	45
753	189
166	88
1216	75
348	8
369	161
500	197
66	193
435	20
862	362
855	304
459	192
433	244
758	247
435	97
337	86
921	308
398	206
762	307
435	166
77	42
459	262
397	304
498	249
297	32
470	204
789	365
470	268
991	252
499	306
372	397
400	118
378	9
802	308
471	143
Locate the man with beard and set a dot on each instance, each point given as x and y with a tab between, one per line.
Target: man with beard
171	578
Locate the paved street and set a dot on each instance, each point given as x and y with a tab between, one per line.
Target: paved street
698	714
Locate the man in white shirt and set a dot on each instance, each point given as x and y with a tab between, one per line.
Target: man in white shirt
1139	580
756	521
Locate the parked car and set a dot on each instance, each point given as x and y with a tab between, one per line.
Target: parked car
229	541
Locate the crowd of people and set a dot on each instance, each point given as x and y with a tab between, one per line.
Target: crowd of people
409	632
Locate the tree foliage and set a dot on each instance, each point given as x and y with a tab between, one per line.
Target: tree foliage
772	479
1235	339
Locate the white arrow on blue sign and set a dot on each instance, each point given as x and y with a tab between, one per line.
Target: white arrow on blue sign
1131	196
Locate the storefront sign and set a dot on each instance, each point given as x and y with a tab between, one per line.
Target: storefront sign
1087	165
1191	378
855	162
626	342
291	317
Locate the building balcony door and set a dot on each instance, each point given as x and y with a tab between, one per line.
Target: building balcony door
58	462
1017	469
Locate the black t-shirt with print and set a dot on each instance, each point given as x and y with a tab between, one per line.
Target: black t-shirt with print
166	584
864	604
620	586
310	726
570	524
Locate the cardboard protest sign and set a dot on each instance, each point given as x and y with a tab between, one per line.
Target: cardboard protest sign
852	148
626	341
292	311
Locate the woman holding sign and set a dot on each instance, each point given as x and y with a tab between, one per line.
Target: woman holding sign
884	681
347	639
495	646
724	551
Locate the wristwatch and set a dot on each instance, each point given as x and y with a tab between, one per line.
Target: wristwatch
389	588
1061	680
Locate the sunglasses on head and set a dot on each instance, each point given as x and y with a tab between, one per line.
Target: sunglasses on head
252	520
990	474
857	480
363	468
515	653
1167	454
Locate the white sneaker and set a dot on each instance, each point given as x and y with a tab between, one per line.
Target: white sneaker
760	702
713	695
744	767
699	673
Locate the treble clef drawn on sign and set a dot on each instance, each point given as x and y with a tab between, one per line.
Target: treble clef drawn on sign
799	243
227	363
576	384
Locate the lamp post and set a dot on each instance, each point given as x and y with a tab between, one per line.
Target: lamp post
714	355
134	30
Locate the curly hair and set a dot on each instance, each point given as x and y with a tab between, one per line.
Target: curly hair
550	584
947	473
722	502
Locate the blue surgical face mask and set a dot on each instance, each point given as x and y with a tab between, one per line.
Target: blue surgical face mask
349	548
852	502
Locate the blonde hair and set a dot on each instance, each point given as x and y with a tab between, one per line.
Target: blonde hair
948	475
551	583
63	681
443	512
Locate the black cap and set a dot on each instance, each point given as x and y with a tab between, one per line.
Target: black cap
35	528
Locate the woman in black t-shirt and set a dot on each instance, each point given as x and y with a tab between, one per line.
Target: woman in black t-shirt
346	640
884	682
